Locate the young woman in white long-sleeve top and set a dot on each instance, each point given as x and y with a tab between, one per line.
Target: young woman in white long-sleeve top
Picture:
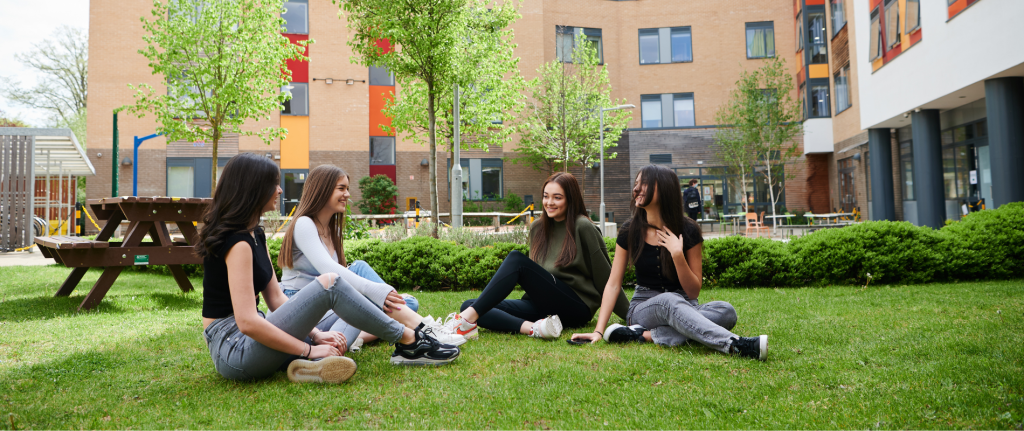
313	245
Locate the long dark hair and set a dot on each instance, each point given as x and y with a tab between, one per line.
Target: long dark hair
574	209
316	193
248	182
670	205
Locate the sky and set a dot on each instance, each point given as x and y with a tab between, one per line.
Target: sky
26	23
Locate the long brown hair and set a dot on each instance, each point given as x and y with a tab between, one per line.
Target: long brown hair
670	205
247	183
316	193
575	208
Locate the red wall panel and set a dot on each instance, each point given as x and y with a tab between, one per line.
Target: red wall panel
300	69
388	170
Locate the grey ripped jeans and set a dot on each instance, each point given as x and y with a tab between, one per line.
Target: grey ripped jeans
673	319
238	357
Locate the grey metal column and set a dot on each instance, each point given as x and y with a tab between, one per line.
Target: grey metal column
1004	101
931	203
883	198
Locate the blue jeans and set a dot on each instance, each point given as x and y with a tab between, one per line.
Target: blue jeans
331	322
236	356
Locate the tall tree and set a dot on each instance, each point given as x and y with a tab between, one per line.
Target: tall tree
223	64
561	128
6	121
61	63
431	46
764	121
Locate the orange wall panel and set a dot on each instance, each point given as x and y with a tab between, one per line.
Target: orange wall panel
379	94
295	147
817	71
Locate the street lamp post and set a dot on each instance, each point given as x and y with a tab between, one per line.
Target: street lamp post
602	214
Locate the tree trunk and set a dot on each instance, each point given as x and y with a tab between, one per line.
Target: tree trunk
213	170
432	158
771	195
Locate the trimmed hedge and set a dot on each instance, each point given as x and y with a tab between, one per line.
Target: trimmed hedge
983	245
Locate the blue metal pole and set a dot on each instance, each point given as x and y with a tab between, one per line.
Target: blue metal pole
135	162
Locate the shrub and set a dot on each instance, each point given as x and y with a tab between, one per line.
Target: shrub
892	252
986	244
379	195
739	261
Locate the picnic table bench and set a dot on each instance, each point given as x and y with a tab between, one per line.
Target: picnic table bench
147	216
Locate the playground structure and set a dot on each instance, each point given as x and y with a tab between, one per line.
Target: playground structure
38	179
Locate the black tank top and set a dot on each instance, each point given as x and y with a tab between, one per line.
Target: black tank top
216	292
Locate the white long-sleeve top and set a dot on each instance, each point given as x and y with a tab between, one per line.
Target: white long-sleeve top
310	259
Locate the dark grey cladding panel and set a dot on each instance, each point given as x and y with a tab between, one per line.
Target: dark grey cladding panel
687	147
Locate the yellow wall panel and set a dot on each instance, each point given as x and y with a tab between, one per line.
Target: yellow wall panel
817	71
295	147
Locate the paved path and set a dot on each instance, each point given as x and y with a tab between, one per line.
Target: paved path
24	258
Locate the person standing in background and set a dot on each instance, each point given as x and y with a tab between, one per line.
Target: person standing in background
691	200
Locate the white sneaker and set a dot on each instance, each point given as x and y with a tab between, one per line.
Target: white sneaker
332	369
356	345
442	333
460	326
547	328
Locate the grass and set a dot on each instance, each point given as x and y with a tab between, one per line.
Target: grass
924	356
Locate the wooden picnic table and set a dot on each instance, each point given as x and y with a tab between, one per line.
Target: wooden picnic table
145	216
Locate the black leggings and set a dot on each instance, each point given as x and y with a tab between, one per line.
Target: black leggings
547	296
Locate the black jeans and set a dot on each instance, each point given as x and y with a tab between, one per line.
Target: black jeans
547	296
693	214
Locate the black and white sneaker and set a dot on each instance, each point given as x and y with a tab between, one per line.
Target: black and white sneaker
426	350
617	333
751	347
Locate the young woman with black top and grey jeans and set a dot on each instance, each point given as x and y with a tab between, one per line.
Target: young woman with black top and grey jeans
244	344
664	308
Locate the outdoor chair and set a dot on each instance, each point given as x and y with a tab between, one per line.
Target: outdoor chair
754	225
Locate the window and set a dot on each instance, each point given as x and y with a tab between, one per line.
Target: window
649	49
292	183
665	45
180	181
189	177
661	159
565	42
650	110
803	100
843	89
382	150
913	19
297	105
838	16
682	45
682	106
816	38
381	76
819	101
296	17
482	179
876	37
799	31
892	23
760	39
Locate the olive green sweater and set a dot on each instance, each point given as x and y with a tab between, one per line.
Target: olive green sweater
589	272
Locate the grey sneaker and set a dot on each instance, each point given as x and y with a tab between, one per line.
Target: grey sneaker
425	350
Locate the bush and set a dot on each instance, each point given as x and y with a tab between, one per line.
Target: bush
379	195
986	244
739	261
892	252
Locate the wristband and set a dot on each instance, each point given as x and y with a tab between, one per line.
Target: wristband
599	332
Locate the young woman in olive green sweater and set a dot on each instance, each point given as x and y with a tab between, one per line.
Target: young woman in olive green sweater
563	278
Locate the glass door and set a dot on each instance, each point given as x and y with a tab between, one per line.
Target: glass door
984	175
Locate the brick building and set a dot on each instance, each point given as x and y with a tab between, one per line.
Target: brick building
676	60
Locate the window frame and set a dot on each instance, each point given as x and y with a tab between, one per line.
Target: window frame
285	29
290	103
832	15
693	102
800	31
759	25
648	32
394	151
819	83
906	28
812	47
880	42
845	72
660	110
589	33
892	5
671	32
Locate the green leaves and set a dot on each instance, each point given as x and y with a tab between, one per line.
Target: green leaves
222	63
562	124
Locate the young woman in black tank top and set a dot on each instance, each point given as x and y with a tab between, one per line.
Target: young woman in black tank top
665	248
244	344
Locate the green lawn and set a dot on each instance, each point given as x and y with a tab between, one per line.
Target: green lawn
925	356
